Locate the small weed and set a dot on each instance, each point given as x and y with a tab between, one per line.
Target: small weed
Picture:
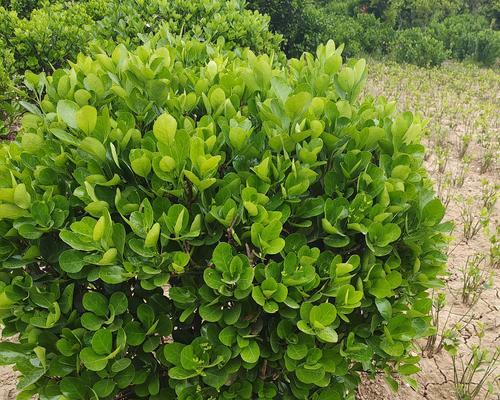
471	221
444	336
471	375
459	177
464	144
477	277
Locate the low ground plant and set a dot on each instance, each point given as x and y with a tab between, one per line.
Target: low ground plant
476	277
476	376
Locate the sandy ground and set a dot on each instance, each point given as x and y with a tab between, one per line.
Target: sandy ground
8	382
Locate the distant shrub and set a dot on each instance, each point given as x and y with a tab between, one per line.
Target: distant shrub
490	9
487	47
375	27
376	37
50	36
54	33
412	13
469	36
299	21
6	70
8	22
341	7
7	61
417	46
306	24
346	30
459	33
22	7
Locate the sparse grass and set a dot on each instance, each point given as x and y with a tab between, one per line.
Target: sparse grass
446	335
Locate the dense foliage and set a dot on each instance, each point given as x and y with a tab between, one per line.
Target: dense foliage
51	33
181	221
131	21
296	21
6	70
416	46
22	7
460	28
48	36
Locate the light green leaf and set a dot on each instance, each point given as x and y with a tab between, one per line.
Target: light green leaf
251	353
102	342
71	261
86	119
66	111
92	360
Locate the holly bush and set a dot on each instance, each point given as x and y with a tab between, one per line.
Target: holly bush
186	222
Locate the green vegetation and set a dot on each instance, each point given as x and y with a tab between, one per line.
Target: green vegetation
186	213
293	225
461	157
471	375
420	32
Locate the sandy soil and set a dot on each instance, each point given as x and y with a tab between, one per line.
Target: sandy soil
8	384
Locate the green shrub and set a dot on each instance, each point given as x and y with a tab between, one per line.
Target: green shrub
490	9
130	21
6	70
184	222
417	46
342	7
487	47
412	13
50	36
344	29
8	22
8	110
296	20
57	32
459	34
22	7
306	24
469	36
376	37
